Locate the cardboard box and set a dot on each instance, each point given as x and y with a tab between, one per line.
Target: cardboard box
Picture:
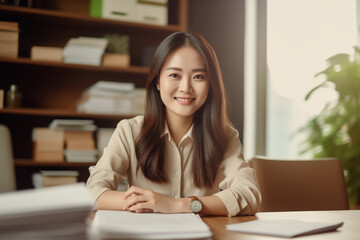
116	60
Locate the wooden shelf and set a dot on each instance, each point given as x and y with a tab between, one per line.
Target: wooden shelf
30	162
52	89
78	19
58	113
27	61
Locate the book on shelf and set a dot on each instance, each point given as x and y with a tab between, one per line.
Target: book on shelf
10	36
84	155
48	145
1	98
110	88
73	124
43	53
85	50
80	146
53	178
9	26
58	212
112	98
79	140
9	39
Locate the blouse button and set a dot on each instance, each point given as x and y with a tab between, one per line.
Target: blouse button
177	173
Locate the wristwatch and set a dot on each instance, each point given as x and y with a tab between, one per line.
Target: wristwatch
195	204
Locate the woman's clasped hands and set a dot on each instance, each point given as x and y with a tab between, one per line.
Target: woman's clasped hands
141	200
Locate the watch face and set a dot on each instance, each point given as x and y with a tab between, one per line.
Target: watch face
195	206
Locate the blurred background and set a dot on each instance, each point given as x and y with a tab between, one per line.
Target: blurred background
88	60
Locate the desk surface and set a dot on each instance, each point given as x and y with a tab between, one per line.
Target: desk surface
349	231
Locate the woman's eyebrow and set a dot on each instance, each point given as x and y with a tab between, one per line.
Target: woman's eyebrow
199	70
174	68
194	70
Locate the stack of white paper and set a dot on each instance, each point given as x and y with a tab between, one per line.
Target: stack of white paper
48	213
85	50
127	225
73	124
106	97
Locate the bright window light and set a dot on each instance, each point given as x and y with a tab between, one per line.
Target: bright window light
301	35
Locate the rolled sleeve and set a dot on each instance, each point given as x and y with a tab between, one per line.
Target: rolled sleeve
102	180
239	188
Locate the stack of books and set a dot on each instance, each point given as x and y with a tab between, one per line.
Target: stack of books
106	97
79	139
54	178
85	50
9	39
48	145
41	53
80	146
73	125
58	212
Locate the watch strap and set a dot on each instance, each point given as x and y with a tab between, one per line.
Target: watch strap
194	198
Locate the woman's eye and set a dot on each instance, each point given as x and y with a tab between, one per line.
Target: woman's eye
198	76
174	75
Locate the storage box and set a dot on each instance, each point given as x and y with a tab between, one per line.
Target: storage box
152	12
142	11
41	53
116	60
124	10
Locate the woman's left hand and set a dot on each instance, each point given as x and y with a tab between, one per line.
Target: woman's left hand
142	200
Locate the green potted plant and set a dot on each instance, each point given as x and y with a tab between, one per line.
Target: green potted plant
335	132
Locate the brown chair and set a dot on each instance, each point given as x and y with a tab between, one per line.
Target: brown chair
300	185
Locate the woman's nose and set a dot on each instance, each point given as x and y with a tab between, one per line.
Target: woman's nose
185	85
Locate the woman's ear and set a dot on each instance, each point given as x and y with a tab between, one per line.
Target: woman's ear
158	85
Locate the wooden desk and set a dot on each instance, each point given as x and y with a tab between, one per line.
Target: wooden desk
349	231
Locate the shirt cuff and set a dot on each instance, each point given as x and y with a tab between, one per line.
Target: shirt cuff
230	201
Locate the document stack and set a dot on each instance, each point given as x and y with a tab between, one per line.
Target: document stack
9	39
85	50
47	213
113	98
127	225
54	178
79	139
48	145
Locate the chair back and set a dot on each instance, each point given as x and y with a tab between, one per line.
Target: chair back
7	171
301	185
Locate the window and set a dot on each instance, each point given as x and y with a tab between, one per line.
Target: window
301	35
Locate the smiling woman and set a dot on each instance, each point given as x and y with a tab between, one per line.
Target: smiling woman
183	87
183	146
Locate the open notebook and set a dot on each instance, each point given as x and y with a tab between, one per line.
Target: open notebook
283	228
127	225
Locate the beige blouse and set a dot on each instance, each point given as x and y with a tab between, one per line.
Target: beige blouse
235	183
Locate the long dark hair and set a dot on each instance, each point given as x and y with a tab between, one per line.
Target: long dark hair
210	121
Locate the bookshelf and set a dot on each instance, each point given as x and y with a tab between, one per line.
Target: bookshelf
50	90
